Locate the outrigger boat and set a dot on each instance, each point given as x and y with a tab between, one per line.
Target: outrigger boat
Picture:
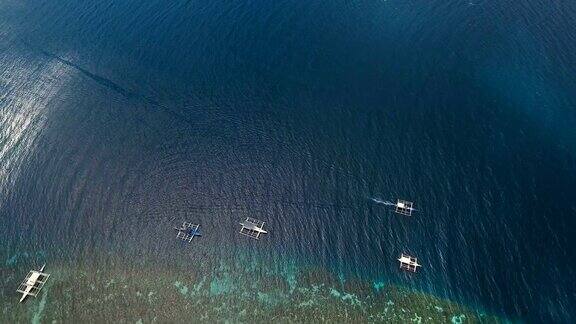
408	262
252	227
33	282
188	231
404	207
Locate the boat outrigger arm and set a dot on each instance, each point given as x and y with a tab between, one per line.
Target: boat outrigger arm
32	284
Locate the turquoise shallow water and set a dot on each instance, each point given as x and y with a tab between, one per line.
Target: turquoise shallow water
120	120
241	288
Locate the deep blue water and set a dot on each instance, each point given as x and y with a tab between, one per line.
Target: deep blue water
118	115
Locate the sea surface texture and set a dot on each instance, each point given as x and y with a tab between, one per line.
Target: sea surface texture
119	120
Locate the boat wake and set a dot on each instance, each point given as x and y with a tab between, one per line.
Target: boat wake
383	202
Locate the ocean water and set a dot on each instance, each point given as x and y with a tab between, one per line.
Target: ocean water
121	119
